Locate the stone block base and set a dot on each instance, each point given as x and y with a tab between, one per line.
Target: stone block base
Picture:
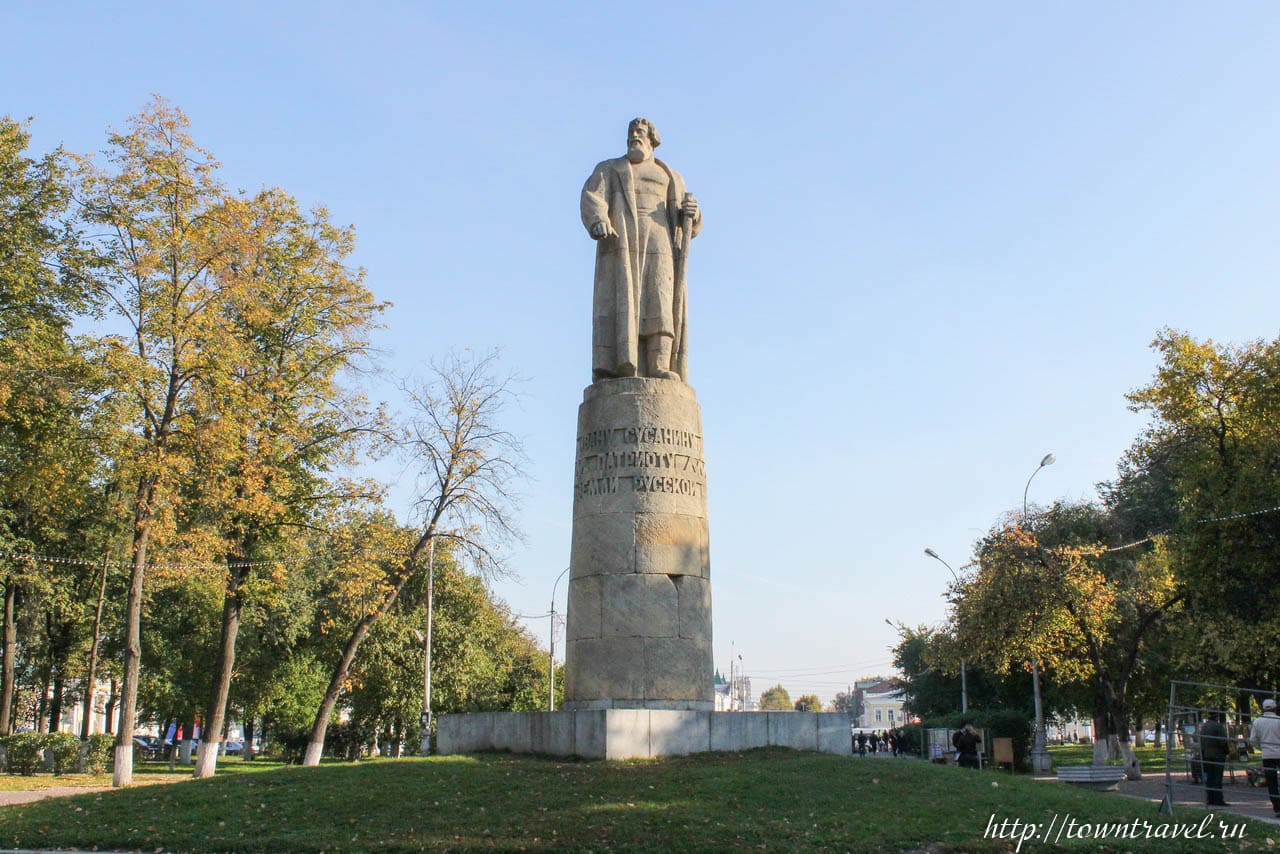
640	733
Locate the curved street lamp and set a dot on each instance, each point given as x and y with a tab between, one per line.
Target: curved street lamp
964	687
551	665
1041	762
1048	460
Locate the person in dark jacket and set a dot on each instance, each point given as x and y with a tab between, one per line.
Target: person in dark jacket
1213	758
967	742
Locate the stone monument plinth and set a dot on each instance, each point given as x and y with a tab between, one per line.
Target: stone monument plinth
639	619
638	669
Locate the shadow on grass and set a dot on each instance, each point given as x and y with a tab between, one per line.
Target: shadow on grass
770	797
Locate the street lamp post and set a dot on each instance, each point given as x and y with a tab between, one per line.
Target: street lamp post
964	686
924	747
1048	460
1041	762
425	746
551	664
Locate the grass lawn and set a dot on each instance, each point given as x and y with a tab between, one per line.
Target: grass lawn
1152	759
763	799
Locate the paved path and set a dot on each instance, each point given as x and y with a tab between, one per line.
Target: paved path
1242	799
26	796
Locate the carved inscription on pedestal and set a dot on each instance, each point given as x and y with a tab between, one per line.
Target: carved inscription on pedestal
640	459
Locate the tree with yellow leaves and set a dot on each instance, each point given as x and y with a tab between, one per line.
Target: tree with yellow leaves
468	466
1061	592
1214	444
278	417
152	218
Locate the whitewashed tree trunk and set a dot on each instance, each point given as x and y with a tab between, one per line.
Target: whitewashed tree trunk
1132	770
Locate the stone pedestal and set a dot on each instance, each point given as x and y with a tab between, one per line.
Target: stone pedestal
641	733
639	619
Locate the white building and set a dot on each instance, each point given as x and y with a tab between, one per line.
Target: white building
882	706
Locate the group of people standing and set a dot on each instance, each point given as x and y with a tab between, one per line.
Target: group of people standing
884	741
1215	750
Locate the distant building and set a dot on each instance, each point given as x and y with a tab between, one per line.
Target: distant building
880	704
733	695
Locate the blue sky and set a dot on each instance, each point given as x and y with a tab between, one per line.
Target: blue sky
939	239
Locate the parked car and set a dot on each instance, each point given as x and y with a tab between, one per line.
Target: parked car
233	748
147	746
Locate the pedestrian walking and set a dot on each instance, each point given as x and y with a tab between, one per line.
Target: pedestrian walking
1265	735
1213	758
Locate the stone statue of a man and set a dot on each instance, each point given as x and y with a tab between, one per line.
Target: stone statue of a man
636	209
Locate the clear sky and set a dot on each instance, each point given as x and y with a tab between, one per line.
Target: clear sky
939	239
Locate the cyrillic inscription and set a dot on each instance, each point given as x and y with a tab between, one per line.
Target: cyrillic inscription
618	459
599	440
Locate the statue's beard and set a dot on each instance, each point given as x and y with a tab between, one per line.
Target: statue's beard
638	152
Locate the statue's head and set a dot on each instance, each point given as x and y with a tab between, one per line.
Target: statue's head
642	139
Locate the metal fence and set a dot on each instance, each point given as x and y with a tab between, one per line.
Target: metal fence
1190	705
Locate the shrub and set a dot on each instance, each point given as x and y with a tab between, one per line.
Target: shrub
292	744
342	740
65	747
101	753
999	723
24	752
1010	723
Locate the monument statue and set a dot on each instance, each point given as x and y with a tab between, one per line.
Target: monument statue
638	664
639	621
636	209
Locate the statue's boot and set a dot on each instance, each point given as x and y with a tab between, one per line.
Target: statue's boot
659	357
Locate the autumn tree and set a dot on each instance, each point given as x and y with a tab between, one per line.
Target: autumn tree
468	466
844	703
483	660
808	703
52	498
1067	594
775	699
930	680
1213	445
151	215
294	316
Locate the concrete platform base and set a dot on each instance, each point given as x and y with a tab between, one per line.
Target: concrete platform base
640	733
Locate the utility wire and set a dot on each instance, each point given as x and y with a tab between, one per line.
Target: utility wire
1227	518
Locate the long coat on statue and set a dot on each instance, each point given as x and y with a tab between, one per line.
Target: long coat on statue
635	289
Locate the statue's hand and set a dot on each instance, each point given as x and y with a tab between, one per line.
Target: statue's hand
601	230
689	207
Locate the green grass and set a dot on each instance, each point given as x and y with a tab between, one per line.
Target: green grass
764	799
1152	759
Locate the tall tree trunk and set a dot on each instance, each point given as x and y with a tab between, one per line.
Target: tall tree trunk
216	712
109	709
1119	720
188	737
315	746
10	645
1101	737
247	735
55	703
91	678
42	705
123	773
